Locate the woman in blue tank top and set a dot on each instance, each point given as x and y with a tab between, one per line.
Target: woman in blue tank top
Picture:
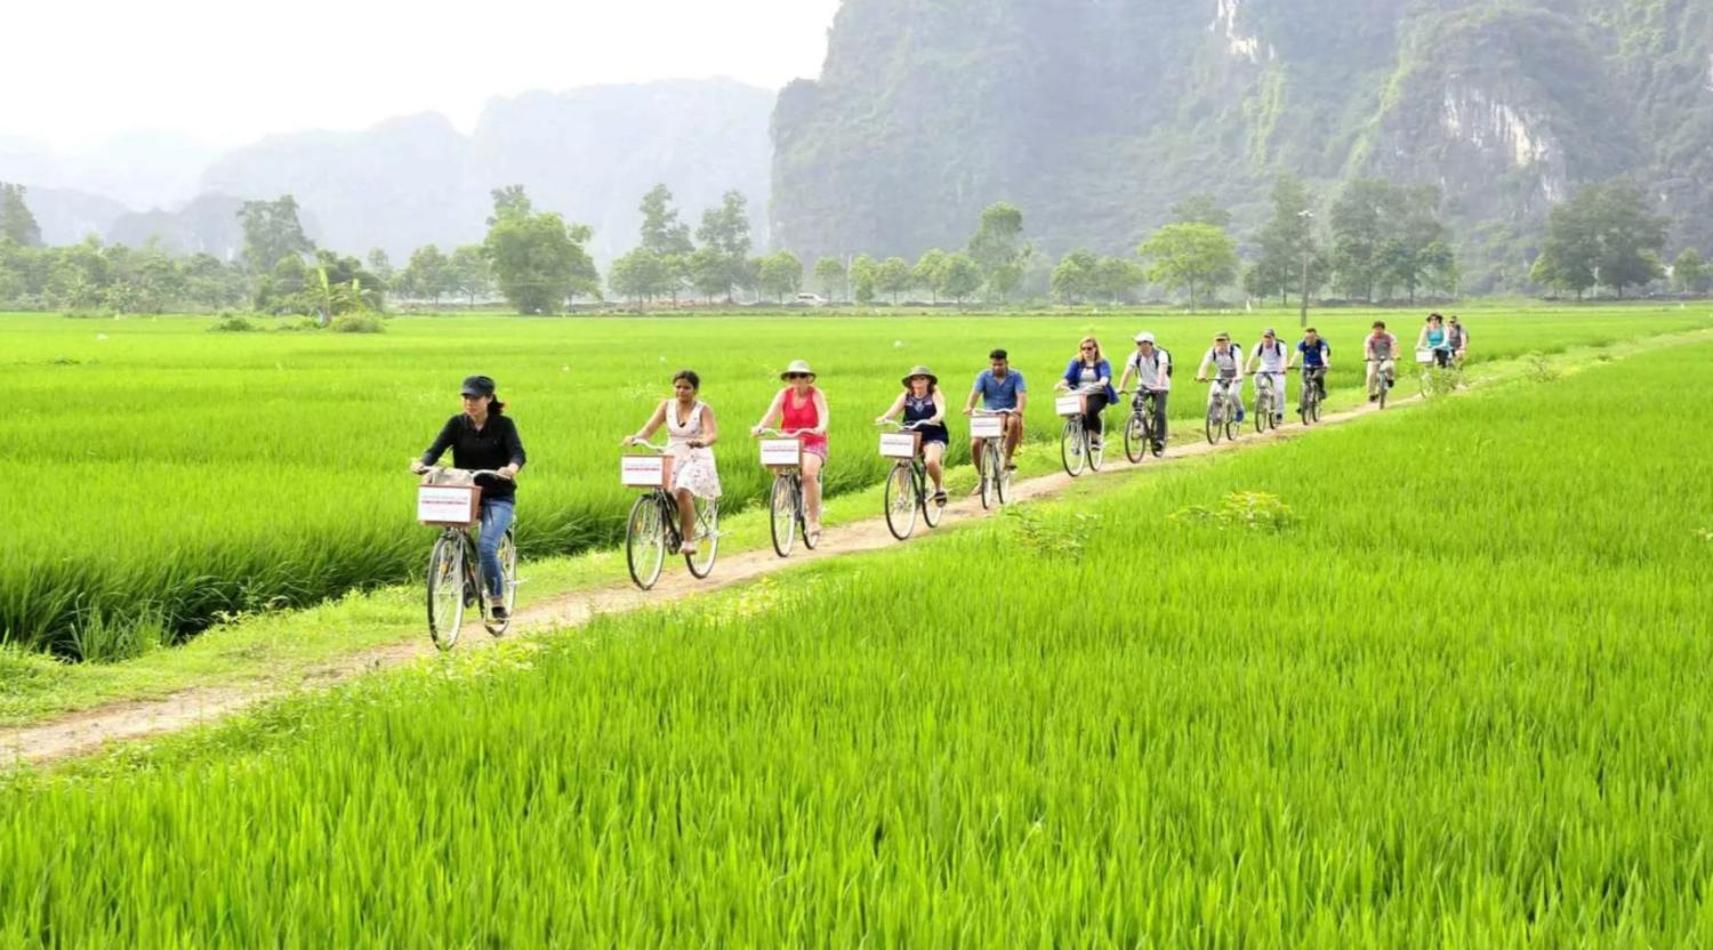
1435	338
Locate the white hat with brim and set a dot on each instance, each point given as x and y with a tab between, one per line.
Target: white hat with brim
799	367
1144	337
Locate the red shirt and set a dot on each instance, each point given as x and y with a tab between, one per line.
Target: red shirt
802	415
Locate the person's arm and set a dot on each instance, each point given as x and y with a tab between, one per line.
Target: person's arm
1421	339
1067	381
654	422
1201	371
1162	371
771	415
1022	400
1131	365
514	449
822	414
1326	356
939	408
442	442
710	429
975	393
1254	362
897	406
1104	370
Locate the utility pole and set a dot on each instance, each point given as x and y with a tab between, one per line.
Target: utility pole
1308	242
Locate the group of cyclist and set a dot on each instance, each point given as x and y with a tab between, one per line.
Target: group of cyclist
482	437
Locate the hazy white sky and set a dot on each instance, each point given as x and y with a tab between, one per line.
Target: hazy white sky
228	71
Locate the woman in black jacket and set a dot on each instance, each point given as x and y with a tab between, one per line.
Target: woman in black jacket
484	437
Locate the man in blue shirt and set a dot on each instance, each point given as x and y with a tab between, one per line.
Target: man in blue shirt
999	387
1317	359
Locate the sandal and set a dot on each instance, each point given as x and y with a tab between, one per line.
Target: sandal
940	497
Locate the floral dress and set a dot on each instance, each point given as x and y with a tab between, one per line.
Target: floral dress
693	468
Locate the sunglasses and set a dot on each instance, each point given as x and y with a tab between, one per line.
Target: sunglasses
797	376
471	396
1088	349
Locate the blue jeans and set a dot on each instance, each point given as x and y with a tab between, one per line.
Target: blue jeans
497	515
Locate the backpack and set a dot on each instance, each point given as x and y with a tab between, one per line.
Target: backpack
1171	364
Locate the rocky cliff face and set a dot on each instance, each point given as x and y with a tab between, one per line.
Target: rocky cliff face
1096	115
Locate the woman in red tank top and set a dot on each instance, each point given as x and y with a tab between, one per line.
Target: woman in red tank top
800	407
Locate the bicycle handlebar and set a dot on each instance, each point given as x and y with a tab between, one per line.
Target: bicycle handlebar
792	434
906	426
644	443
473	473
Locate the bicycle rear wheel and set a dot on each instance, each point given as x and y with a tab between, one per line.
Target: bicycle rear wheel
1135	438
645	541
446	591
508	570
1071	447
782	516
899	496
701	563
1094	446
931	510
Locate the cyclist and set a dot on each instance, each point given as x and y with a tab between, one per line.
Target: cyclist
800	407
999	387
1317	360
1226	358
484	437
1459	338
690	434
1090	373
921	401
1152	367
1271	358
1435	337
1380	349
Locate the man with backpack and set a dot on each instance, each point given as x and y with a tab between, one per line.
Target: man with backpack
1153	368
1270	360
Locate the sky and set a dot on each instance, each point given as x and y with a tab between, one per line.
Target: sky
227	72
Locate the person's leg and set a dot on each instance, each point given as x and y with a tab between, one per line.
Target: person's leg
1093	420
932	454
686	515
1160	416
497	515
1368	380
1013	437
812	465
1281	392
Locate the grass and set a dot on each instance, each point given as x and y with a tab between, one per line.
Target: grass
196	475
1451	688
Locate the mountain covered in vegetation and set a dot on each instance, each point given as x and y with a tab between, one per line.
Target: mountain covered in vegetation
1095	116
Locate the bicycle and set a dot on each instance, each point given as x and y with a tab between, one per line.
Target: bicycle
786	513
652	531
455	577
1141	432
1314	381
1266	401
1381	382
1222	411
988	426
1437	372
1077	448
906	490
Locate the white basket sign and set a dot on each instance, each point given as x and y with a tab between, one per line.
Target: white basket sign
987	427
1069	405
898	445
448	504
645	471
781	453
1424	356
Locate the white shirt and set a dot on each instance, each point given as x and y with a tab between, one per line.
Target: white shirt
1228	364
1272	361
1154	374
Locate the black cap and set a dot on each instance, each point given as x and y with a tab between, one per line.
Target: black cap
477	386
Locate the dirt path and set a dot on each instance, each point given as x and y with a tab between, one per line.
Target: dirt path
84	732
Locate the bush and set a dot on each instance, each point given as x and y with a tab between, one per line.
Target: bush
358	323
233	325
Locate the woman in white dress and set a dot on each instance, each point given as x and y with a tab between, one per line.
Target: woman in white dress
690	431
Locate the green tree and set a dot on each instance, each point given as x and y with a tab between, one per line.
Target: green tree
1604	234
17	224
830	276
427	276
1201	209
469	273
1284	242
893	277
1116	277
927	272
710	273
538	260
509	201
780	274
864	277
639	275
271	232
960	278
1690	272
1358	221
662	233
725	231
1077	276
998	248
381	266
1197	258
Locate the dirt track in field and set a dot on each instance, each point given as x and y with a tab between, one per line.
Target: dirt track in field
88	731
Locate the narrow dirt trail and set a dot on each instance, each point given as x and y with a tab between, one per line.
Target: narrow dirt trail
87	731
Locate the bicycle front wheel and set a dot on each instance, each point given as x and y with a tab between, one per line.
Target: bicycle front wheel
446	591
782	516
931	510
1135	438
508	570
899	497
701	563
645	541
1071	447
1000	474
986	459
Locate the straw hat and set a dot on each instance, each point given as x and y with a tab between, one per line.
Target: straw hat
920	370
798	366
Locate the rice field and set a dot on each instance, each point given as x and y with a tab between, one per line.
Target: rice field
161	477
1440	677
